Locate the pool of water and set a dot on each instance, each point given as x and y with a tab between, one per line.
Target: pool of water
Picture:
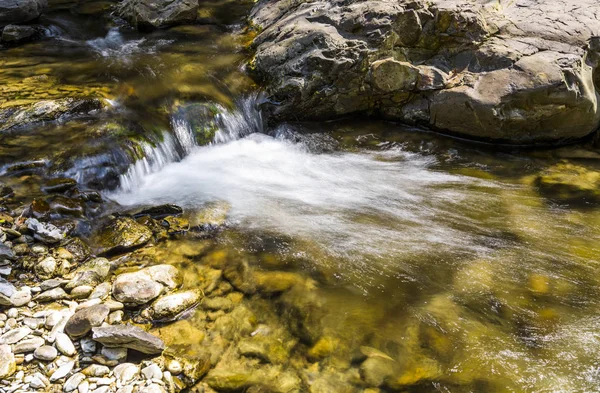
454	261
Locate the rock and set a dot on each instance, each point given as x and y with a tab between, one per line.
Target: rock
81	292
6	252
17	11
28	345
217	303
62	371
158	212
59	185
49	110
276	282
128	336
84	320
145	285
146	14
96	370
73	382
122	234
487	70
90	274
45	268
152	372
8	365
51	295
126	372
565	182
118	354
46	353
15	335
169	306
16	34
44	232
65	345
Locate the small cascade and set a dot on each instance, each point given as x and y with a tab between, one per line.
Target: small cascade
231	125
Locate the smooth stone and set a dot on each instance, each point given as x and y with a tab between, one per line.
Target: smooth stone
51	295
28	345
128	336
46	267
115	317
126	372
73	382
51	283
145	285
46	353
96	370
83	320
171	305
118	354
152	372
81	292
101	291
174	366
65	345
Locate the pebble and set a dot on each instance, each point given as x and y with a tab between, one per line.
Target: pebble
152	372
87	345
96	370
126	372
65	345
52	319
62	371
115	317
83	387
46	353
81	292
12	313
174	367
118	354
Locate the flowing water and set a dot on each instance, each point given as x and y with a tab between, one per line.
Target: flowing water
450	258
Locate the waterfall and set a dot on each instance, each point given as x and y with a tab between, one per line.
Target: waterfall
231	125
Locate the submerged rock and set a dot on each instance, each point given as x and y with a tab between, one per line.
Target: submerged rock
169	306
143	286
570	183
151	14
501	72
128	336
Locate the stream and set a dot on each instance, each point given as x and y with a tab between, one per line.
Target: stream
445	256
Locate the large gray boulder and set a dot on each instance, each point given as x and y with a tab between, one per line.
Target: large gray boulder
518	71
152	14
18	11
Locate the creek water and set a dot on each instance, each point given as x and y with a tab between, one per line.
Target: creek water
446	256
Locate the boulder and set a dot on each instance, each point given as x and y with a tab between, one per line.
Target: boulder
145	285
520	72
128	336
17	11
152	14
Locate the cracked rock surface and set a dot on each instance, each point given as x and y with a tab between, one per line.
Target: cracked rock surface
519	71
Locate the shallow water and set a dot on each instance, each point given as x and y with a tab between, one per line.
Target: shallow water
444	255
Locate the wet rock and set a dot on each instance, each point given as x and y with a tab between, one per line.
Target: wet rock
375	371
158	212
16	34
59	185
143	286
146	14
238	273
210	216
82	321
44	232
50	110
128	336
266	348
217	303
78	249
122	234
64	206
90	273
169	306
17	11
8	365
